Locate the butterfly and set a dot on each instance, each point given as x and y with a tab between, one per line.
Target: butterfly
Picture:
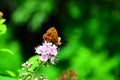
52	36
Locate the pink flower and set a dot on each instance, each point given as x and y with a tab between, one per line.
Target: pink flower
47	51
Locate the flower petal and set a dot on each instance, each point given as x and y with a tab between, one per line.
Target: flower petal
52	60
44	58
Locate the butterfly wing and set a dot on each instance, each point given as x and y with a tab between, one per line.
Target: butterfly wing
52	36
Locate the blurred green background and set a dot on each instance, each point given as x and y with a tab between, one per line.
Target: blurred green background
90	32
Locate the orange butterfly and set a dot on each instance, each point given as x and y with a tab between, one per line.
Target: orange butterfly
52	36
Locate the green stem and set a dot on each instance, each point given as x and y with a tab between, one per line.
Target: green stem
36	69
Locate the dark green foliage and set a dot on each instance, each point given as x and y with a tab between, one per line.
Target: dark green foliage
90	32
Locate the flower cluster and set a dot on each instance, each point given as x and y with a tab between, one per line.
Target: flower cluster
48	51
26	67
29	74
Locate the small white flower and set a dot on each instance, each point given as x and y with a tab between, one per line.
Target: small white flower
29	69
20	74
29	77
26	62
24	74
31	63
36	79
23	64
23	68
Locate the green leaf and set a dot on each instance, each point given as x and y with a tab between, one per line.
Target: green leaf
34	60
7	78
2	21
7	51
3	29
10	61
12	74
